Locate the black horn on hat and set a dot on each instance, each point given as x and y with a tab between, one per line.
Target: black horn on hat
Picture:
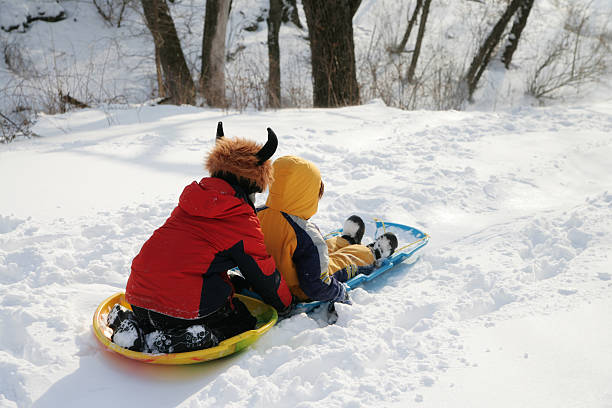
220	131
269	148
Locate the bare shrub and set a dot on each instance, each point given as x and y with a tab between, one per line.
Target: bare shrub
50	87
246	79
16	113
374	73
381	74
15	106
439	83
580	54
296	83
14	125
113	11
246	82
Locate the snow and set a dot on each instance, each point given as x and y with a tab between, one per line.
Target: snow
17	15
538	368
509	305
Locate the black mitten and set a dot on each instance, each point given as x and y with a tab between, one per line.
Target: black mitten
288	311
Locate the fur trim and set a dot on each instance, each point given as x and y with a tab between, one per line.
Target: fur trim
237	156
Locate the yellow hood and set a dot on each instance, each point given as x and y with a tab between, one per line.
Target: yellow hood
295	189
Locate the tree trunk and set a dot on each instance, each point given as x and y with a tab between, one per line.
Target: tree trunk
415	13
212	80
330	29
160	75
274	74
517	29
482	58
419	42
178	85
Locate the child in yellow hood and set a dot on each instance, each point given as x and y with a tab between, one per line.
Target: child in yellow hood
313	268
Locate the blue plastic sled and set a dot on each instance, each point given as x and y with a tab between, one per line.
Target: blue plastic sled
408	252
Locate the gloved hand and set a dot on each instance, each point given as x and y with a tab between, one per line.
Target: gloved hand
344	296
287	312
366	270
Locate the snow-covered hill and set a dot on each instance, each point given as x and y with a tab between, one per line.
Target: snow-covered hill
509	306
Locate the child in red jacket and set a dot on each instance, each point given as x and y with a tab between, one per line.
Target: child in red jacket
179	290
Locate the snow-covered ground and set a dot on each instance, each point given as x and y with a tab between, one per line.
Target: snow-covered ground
509	306
97	62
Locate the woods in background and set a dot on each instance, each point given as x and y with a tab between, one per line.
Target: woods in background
332	49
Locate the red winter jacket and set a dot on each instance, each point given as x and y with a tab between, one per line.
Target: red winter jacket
181	271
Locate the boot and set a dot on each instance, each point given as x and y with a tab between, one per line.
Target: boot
117	314
384	246
353	229
196	337
128	335
126	332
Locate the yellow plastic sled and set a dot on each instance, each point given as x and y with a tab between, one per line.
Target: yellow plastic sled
266	318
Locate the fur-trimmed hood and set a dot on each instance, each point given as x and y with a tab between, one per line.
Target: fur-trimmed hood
243	158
